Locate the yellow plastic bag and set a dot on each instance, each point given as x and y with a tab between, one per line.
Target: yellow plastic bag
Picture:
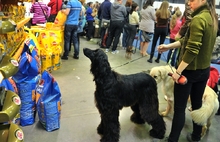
60	19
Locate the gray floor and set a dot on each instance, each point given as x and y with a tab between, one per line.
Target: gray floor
80	118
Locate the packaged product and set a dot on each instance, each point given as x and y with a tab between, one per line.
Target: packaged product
49	102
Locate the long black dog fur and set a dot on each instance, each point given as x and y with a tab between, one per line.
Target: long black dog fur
115	91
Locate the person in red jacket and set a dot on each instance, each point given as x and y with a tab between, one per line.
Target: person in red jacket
55	7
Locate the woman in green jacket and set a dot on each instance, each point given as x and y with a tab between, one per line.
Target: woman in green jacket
194	63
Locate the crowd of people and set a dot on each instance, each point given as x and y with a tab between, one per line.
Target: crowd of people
192	38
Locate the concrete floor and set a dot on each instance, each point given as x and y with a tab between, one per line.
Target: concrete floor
80	118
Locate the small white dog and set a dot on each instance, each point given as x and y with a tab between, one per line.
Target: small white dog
202	116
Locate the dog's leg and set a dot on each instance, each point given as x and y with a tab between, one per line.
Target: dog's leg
136	116
204	129
151	115
130	55
100	128
208	123
168	109
111	126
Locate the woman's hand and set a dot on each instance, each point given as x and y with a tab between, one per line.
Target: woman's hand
162	48
176	77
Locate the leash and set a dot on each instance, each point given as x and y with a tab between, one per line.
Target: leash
127	63
182	79
168	62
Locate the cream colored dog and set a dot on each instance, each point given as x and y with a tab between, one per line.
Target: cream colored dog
160	74
202	116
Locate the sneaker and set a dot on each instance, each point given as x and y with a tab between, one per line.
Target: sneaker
90	39
76	57
115	52
106	50
189	138
64	57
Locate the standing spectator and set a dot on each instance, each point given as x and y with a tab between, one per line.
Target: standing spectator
171	13
97	4
175	25
104	15
90	14
162	15
73	12
194	63
39	10
171	9
126	26
146	25
133	24
55	6
175	9
82	21
118	14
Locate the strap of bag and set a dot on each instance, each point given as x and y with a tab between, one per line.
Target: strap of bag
57	6
43	11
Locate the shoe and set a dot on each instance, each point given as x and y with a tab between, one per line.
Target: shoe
189	138
157	61
64	57
106	50
90	39
115	52
76	57
102	46
149	60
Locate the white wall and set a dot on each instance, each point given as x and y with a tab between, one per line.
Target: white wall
181	6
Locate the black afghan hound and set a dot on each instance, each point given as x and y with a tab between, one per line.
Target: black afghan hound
115	91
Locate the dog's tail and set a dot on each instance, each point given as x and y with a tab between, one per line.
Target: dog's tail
209	107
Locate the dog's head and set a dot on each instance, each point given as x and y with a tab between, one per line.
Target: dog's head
129	49
99	61
160	73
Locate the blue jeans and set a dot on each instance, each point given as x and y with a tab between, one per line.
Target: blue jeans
68	31
195	86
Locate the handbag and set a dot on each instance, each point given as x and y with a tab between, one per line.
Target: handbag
43	12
